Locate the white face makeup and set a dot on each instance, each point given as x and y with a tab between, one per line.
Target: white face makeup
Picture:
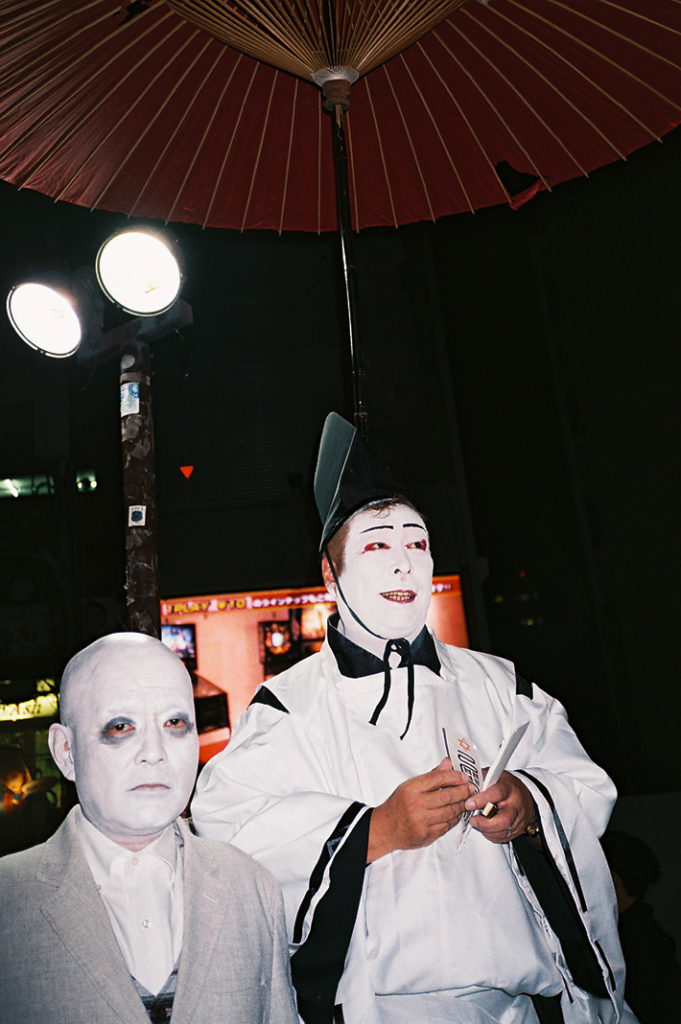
132	745
387	576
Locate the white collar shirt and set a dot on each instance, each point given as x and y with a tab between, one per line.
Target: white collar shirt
143	893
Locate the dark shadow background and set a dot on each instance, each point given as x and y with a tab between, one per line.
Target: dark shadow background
522	375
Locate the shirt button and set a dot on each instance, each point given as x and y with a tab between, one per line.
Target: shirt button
135	861
146	923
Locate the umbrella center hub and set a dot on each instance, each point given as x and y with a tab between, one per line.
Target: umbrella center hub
335	85
324	75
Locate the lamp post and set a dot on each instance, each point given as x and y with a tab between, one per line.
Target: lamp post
139	273
131	341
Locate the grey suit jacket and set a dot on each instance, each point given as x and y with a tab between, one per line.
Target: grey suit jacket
60	962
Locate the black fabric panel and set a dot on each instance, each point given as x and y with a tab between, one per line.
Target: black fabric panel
561	835
318	870
560	909
522	687
355	662
548	1009
317	966
265	696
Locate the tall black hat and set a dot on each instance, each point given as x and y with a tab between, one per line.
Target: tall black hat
349	476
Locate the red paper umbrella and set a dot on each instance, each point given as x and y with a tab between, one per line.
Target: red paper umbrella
136	109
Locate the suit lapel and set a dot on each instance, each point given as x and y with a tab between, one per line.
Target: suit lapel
206	905
77	913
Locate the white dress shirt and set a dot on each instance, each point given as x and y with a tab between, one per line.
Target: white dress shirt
142	892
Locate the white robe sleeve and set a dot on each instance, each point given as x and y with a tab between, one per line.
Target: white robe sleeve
550	746
269	794
556	751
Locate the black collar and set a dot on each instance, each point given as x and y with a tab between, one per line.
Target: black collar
354	661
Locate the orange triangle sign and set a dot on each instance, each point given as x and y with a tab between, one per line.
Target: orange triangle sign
186	471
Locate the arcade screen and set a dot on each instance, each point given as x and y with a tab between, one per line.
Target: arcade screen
238	640
181	639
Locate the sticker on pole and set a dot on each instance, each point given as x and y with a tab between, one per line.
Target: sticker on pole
130	398
137	515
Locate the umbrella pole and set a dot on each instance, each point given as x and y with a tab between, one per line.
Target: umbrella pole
337	102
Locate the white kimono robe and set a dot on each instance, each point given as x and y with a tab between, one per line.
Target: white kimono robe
439	935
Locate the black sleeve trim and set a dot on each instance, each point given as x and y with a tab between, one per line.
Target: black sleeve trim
559	905
522	687
265	696
318	870
561	835
317	966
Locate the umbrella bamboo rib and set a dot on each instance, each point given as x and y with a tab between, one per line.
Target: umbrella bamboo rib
352	178
297	33
300	38
139	99
151	122
346	27
56	107
465	117
17	18
620	35
551	85
250	43
272	41
292	124
290	35
386	176
502	120
410	140
206	133
328	33
361	27
607	60
436	127
270	16
235	129
319	168
402	27
328	49
256	162
64	68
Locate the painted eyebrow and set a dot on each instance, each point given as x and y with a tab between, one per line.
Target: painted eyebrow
387	526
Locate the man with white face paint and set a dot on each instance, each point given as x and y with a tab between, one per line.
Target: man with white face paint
125	914
336	779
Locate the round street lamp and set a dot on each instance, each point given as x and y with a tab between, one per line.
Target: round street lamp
44	318
139	272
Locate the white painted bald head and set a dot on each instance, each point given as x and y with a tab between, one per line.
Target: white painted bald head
127	736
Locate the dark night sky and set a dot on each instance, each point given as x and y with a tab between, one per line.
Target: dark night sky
534	354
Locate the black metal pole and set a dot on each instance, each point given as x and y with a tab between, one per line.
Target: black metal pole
143	598
336	95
